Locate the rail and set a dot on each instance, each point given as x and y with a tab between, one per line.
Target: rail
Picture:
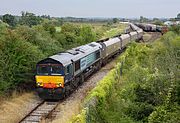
42	111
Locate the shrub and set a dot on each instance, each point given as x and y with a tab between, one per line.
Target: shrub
18	59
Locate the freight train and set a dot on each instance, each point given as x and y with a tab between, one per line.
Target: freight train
58	75
152	27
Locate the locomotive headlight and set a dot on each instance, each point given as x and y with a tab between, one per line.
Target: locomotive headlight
39	83
59	84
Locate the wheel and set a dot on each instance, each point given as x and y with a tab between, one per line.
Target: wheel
81	79
67	91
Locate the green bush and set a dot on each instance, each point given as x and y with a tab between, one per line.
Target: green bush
175	28
18	59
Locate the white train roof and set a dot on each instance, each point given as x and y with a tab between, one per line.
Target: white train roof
76	53
111	41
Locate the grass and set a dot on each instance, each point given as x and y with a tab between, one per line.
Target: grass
13	110
107	31
69	110
117	29
58	29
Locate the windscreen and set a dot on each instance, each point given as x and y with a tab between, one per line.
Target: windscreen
50	70
56	70
43	70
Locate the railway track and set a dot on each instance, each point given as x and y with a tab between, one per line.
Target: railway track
41	112
154	36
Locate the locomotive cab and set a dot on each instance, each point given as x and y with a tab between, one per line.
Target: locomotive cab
50	78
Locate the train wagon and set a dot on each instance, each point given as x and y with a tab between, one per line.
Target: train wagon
112	46
133	36
125	38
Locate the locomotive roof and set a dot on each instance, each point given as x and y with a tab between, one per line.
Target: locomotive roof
76	53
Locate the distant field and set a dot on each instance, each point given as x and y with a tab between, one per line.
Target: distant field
117	29
58	29
102	29
95	25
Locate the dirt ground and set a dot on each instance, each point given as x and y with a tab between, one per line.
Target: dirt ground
13	110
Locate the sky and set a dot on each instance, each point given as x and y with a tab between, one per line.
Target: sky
93	8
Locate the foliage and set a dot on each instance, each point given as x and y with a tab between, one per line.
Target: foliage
175	28
115	20
87	34
29	19
109	30
18	57
178	16
81	118
157	21
50	28
143	19
9	19
151	80
72	35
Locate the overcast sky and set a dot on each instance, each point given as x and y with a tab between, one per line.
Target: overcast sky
93	8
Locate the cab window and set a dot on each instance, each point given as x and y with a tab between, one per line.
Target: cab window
43	70
77	65
56	70
68	69
50	69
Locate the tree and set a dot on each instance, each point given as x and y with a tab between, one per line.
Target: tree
50	28
178	16
143	19
115	20
70	28
17	61
9	19
157	21
87	34
30	19
0	17
46	16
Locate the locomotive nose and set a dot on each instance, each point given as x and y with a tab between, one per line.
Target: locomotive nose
50	81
